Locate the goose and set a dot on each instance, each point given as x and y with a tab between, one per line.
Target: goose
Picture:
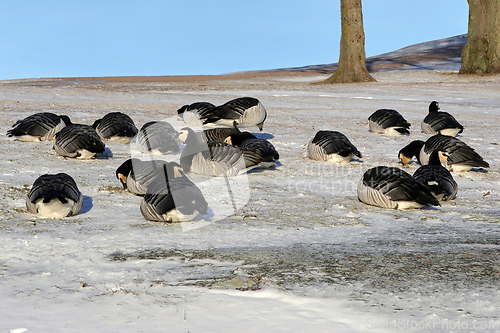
248	141
390	187
158	137
135	175
245	111
41	126
389	122
78	141
219	133
331	146
54	196
459	156
215	158
115	126
192	113
440	122
437	177
173	197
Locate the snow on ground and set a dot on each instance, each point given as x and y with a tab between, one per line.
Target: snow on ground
303	255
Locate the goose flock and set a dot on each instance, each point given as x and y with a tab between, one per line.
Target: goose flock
221	149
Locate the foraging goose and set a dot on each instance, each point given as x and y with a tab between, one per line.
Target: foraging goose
390	187
78	141
331	146
158	137
41	126
440	122
136	175
173	197
115	126
215	158
459	156
389	122
54	196
191	114
437	178
248	141
245	111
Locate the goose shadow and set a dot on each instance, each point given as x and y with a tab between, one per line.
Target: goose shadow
87	204
265	136
105	155
259	170
479	170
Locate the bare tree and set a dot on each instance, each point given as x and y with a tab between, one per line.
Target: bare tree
352	60
481	53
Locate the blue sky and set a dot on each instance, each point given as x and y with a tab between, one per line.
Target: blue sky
118	38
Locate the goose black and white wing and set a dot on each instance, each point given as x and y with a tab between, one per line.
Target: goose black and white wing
116	126
54	196
214	158
438	179
439	122
173	200
158	136
389	122
331	146
78	141
38	127
460	156
135	175
245	111
193	113
219	133
390	187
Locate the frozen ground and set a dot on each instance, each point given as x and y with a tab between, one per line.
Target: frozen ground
303	255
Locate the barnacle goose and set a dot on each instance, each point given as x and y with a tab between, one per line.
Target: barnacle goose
389	122
172	197
192	113
41	126
439	122
158	137
437	178
78	141
331	146
390	187
135	175
459	156
215	158
54	196
245	111
116	126
246	140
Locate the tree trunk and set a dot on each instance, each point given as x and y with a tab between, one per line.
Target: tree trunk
481	53
352	60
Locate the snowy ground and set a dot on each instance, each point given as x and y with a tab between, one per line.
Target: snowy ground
303	255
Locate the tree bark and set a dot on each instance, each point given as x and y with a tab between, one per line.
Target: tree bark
352	60
481	53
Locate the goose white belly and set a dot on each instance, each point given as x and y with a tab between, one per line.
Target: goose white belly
450	131
28	138
84	154
458	167
120	139
54	209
